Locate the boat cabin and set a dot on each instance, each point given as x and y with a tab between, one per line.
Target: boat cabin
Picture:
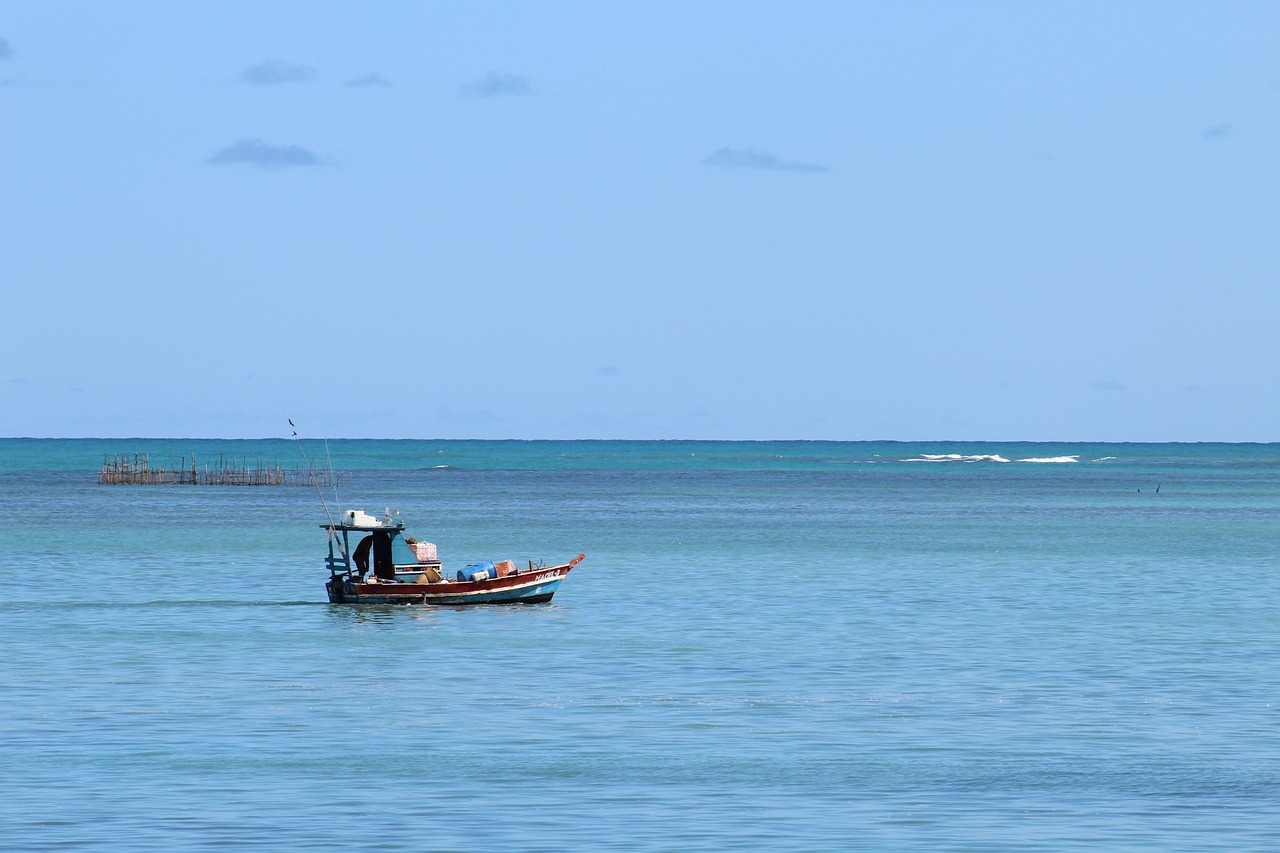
361	544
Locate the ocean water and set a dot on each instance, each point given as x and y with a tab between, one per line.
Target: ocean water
770	646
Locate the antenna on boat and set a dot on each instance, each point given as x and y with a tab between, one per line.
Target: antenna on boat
323	503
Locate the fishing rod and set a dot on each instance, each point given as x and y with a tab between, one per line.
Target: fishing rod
333	478
314	480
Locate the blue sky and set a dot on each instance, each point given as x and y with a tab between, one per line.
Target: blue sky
854	220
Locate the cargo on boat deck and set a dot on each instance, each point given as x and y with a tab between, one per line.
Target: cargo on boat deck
475	572
431	575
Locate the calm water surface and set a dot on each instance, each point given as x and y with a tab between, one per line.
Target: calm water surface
770	646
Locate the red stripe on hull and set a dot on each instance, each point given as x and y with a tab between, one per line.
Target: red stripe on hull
448	592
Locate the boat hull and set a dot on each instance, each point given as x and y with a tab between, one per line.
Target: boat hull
535	586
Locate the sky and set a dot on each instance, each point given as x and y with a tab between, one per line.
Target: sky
1054	221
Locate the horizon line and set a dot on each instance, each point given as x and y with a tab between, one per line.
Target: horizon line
690	440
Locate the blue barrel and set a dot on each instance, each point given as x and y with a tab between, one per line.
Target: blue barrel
469	572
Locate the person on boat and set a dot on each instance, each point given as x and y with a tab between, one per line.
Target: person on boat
380	544
361	555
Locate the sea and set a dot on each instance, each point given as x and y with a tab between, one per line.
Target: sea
941	646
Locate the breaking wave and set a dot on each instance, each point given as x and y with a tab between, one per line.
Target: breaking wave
989	457
955	457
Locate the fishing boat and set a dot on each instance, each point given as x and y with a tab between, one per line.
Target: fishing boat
371	561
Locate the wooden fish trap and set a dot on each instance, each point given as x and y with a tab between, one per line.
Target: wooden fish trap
137	470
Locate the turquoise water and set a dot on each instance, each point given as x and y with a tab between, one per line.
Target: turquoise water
770	646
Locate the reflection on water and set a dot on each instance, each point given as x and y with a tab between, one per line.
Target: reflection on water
377	614
395	614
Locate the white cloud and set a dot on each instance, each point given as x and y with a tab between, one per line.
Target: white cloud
749	158
273	72
367	81
255	152
497	85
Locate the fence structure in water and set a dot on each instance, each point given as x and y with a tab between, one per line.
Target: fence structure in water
137	470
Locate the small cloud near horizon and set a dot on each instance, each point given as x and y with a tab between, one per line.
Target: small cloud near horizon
255	152
749	158
274	71
6	52
496	85
367	81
